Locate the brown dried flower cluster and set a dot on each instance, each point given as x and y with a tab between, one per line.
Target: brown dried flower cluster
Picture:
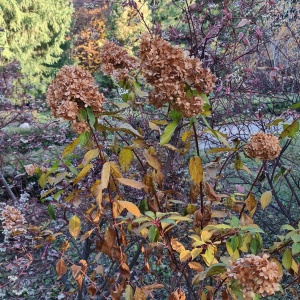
116	61
30	169
256	275
13	220
264	146
173	75
71	90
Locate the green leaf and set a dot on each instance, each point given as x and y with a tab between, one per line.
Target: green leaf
290	130
234	222
91	116
43	180
287	259
51	211
234	243
254	246
84	138
153	234
168	132
295	248
82	116
296	105
216	269
175	115
287	227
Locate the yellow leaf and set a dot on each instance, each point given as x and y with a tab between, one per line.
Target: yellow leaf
115	170
132	208
154	127
82	173
196	266
265	199
177	246
125	159
70	148
105	175
186	135
117	209
74	226
139	294
185	255
251	204
152	160
90	155
196	169
132	183
195	252
206	235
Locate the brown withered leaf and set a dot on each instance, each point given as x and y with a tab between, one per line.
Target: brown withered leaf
196	266
194	192
116	291
92	290
132	183
177	295
105	174
177	246
109	241
245	220
210	193
158	177
251	204
152	160
100	270
61	268
64	246
139	294
125	271
86	235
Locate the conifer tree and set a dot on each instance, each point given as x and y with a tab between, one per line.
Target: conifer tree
33	32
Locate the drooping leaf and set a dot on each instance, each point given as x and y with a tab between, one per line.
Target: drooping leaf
51	211
251	204
89	156
43	180
86	235
152	160
196	169
128	292
84	138
115	170
290	130
70	148
265	199
185	255
153	234
61	268
131	207
105	174
125	159
132	183
168	132
90	116
287	259
82	173
74	226
196	266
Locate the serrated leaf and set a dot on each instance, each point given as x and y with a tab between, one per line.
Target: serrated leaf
290	130
131	207
185	255
132	183
89	156
168	132
70	148
82	173
105	174
74	226
125	159
51	211
287	259
265	199
196	170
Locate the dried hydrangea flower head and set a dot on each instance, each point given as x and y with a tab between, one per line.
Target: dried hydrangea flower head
172	74
256	275
116	61
30	169
13	220
71	90
264	146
